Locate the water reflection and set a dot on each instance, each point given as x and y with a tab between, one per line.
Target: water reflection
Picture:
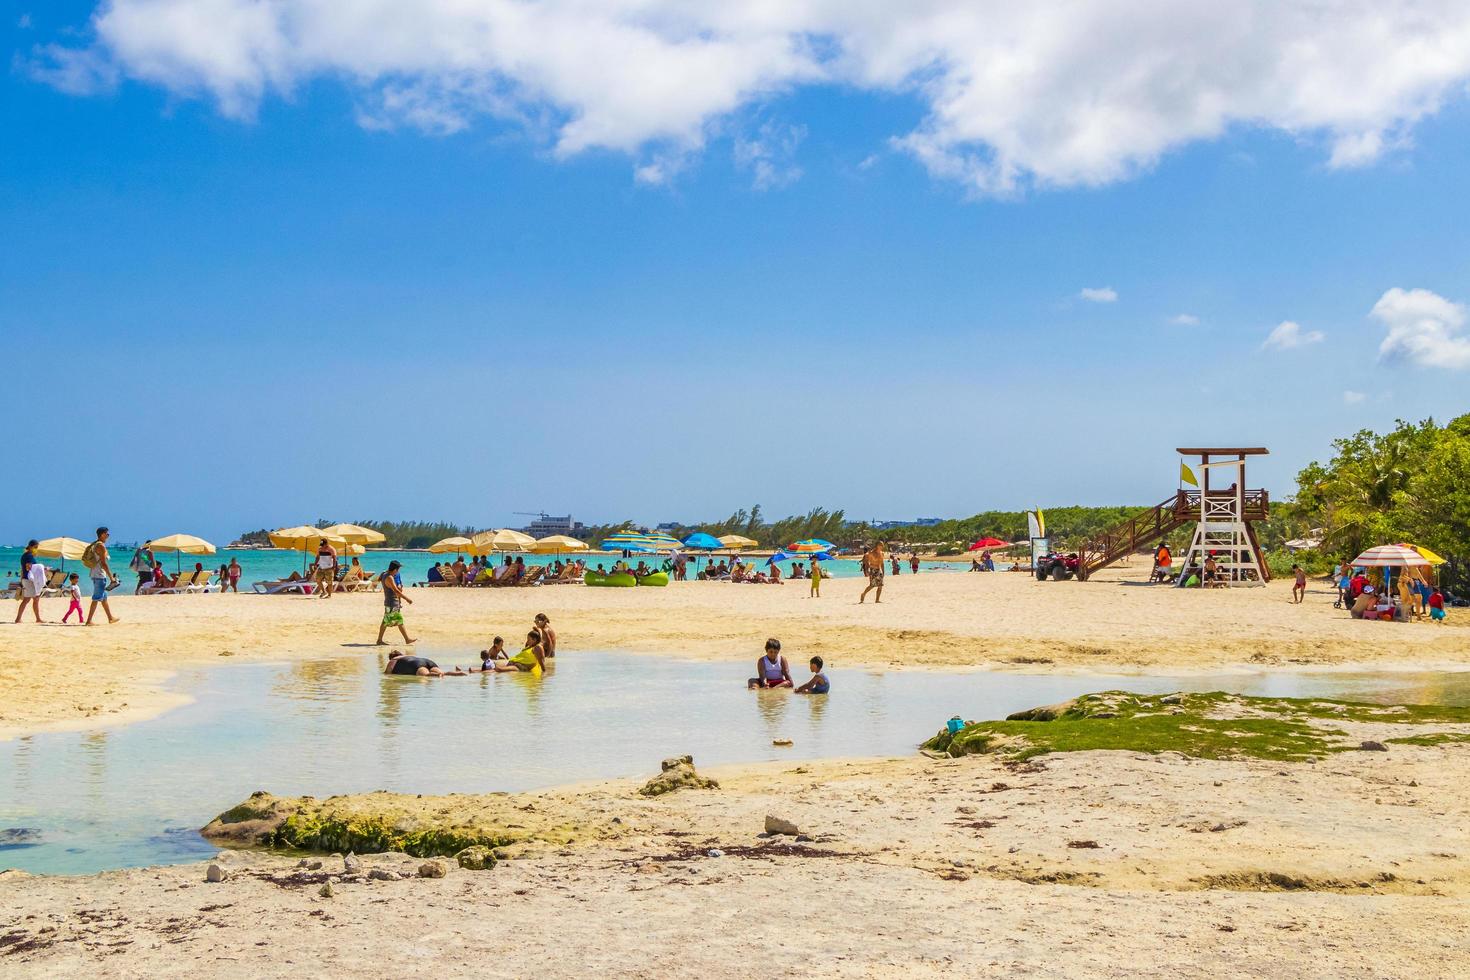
105	798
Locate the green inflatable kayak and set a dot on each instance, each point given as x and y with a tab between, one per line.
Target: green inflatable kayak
617	580
657	579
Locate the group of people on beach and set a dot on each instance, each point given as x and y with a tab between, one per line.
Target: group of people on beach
35	581
540	647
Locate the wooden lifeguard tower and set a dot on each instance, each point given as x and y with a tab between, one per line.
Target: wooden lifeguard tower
1222	519
1223	529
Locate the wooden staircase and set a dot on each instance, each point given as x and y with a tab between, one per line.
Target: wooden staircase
1151	526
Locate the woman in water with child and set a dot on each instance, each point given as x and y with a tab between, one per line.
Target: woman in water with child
772	671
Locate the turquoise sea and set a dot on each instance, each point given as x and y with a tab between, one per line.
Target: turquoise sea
273	564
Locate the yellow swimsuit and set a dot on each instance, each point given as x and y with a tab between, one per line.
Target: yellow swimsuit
527	659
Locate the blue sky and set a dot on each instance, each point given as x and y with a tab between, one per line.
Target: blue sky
224	314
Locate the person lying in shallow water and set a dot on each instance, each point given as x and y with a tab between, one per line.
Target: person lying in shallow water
405	666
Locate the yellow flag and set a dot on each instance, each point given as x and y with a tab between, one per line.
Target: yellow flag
1187	475
1041	521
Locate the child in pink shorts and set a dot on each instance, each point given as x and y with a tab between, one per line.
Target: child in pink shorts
75	589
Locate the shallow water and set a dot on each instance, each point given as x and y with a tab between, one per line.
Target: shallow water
134	795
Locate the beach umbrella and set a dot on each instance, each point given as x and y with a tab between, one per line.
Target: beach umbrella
1390	556
305	539
180	545
1429	556
989	544
663	541
737	541
627	540
702	542
810	546
502	539
356	534
447	546
788	556
62	548
555	544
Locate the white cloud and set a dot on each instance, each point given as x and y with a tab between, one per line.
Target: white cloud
1013	95
23	22
1353	397
1424	329
1184	320
1289	335
1102	294
769	154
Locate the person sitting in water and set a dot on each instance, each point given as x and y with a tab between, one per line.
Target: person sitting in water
405	666
818	684
548	635
490	658
530	659
771	670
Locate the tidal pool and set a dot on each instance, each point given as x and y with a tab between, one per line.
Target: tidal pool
76	803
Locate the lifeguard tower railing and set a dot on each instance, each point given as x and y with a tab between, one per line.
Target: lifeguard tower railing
1151	526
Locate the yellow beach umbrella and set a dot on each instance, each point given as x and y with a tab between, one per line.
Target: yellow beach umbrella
304	538
181	544
63	548
352	549
1429	556
448	546
356	534
556	544
503	539
738	541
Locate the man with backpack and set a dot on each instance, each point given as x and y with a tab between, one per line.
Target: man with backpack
99	567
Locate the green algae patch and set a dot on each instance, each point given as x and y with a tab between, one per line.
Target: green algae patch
1433	738
372	823
1213	725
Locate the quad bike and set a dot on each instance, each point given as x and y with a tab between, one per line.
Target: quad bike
1057	566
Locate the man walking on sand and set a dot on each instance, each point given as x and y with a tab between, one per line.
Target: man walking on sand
393	600
100	568
326	569
873	565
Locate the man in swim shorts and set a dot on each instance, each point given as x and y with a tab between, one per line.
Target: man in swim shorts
873	565
393	600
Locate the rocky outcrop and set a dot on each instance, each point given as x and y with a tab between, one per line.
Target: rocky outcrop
678	773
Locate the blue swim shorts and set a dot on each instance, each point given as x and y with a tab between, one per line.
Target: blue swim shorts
99	589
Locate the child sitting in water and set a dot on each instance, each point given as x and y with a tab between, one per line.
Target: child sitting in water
489	658
818	684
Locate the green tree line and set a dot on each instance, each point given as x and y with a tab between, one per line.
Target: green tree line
1410	484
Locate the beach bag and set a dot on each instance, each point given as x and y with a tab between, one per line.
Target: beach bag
92	557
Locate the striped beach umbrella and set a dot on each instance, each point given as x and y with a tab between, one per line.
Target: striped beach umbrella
1391	556
627	540
663	541
810	546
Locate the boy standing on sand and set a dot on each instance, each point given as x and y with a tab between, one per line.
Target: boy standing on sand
393	600
816	577
1298	587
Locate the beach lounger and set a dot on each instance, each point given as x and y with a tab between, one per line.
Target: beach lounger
564	578
504	575
282	586
55	585
533	575
197	582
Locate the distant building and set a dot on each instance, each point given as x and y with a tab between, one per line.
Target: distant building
545	526
669	526
916	522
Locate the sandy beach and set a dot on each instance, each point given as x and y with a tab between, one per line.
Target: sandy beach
1101	863
935	620
1108	864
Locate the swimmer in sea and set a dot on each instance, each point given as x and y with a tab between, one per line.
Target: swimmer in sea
405	666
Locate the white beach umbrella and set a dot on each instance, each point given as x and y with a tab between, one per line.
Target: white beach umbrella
1390	556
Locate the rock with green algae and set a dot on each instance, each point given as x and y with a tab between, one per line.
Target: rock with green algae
476	858
342	824
1210	725
678	773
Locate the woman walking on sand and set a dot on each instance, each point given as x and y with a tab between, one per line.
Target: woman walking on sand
32	582
393	600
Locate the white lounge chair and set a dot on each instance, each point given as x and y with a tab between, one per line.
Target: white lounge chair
282	586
